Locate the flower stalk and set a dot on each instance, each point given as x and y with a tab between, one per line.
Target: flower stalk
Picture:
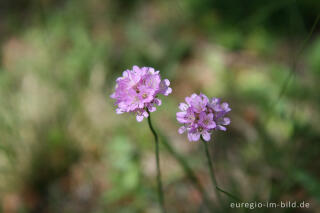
212	176
188	171
211	171
159	182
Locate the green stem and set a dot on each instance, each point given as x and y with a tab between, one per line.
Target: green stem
210	167
188	171
213	178
159	182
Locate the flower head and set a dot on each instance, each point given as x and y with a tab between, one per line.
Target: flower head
137	91
200	116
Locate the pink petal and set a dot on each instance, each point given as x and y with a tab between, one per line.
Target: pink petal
222	128
182	129
206	136
183	106
166	82
119	111
196	136
139	118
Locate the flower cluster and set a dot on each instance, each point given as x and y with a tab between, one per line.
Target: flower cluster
137	91
200	116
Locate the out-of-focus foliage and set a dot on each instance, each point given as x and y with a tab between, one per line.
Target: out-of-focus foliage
63	148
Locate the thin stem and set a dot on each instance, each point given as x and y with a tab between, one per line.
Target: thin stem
295	60
188	171
159	182
227	193
210	167
213	178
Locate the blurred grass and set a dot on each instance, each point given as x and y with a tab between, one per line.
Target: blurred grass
63	149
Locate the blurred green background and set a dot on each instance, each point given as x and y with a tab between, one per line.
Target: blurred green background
63	149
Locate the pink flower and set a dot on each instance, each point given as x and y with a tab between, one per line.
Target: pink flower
137	91
200	116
